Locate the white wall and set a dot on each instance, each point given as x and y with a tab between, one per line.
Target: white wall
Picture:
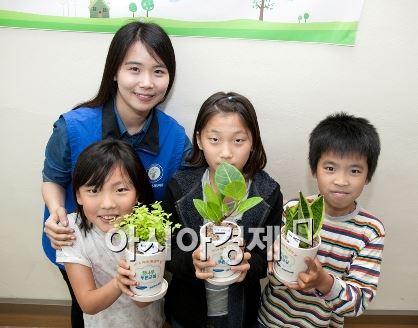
292	85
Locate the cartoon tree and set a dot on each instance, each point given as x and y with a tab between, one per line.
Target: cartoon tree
306	16
65	5
73	3
263	4
299	18
147	5
133	8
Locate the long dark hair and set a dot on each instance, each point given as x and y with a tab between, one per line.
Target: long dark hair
98	160
158	44
231	102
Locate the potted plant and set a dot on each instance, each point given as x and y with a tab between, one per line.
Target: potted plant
147	228
220	237
299	237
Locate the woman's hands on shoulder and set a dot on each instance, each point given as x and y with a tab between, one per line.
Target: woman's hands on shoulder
57	230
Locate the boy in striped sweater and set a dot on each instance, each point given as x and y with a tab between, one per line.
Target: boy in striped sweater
342	280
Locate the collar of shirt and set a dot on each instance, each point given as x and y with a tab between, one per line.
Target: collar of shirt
146	140
136	138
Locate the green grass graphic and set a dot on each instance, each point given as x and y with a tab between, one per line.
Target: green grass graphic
330	32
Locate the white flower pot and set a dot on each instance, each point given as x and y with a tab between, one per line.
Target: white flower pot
218	250
292	259
149	272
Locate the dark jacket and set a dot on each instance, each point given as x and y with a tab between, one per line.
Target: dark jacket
186	296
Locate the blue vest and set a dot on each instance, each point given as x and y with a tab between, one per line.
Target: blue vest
161	149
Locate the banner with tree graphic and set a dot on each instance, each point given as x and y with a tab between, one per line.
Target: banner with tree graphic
328	21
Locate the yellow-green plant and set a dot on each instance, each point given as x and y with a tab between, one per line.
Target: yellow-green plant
305	219
229	183
147	220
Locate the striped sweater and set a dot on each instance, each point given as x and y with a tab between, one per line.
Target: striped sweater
351	251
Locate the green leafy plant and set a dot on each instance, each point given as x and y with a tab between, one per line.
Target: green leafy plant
147	221
230	184
296	219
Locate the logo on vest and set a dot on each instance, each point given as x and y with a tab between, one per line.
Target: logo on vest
155	173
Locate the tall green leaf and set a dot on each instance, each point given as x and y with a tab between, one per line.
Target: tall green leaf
304	210
314	211
291	214
318	213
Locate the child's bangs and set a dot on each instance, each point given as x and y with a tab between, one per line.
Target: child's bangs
97	173
346	146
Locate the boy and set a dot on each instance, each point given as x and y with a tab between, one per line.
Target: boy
342	280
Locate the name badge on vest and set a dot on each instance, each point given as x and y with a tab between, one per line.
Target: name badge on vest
155	174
